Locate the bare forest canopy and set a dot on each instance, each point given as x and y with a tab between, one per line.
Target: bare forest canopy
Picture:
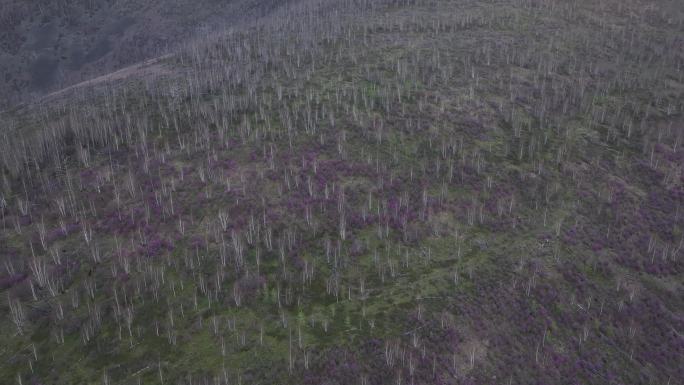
358	192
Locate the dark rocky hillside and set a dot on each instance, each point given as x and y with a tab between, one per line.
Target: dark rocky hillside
46	45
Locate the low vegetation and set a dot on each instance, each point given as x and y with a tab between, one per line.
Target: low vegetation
360	192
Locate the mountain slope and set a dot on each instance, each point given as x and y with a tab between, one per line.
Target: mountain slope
47	45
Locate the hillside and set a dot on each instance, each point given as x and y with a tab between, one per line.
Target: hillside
359	192
46	45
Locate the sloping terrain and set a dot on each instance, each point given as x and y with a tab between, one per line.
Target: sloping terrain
360	192
47	45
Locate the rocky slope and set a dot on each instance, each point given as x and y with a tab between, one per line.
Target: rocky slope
48	45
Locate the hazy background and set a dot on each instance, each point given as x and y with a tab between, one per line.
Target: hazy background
46	45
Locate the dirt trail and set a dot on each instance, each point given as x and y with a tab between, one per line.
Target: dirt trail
149	68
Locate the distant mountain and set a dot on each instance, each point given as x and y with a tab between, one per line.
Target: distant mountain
46	45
